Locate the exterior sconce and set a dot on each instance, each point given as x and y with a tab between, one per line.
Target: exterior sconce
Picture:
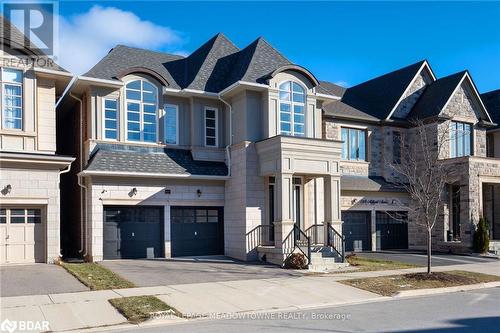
168	191
353	201
6	190
198	191
132	192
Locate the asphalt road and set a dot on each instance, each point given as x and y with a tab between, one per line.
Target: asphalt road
474	311
420	258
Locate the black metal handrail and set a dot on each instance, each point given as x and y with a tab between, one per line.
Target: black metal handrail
261	235
297	239
336	241
316	233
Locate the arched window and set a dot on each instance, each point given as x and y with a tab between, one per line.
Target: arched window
142	105
292	109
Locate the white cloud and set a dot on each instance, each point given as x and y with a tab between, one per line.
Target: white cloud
85	38
342	84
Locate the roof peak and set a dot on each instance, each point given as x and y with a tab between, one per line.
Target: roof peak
145	50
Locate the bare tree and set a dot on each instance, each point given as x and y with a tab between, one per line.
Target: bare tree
421	174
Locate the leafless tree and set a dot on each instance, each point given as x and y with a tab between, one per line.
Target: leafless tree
420	173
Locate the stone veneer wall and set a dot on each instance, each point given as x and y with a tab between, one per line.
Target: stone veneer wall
245	201
33	186
412	95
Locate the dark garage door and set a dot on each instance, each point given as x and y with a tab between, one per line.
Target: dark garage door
133	232
197	231
357	230
392	230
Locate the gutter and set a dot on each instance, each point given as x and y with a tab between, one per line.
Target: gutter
87	173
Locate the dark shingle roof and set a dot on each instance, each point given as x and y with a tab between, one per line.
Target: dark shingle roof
373	183
134	159
492	102
212	67
435	96
10	35
123	57
377	97
330	88
342	110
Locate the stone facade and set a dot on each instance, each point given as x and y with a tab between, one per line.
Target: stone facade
411	96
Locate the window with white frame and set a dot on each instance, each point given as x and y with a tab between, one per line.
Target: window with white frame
460	139
210	127
12	98
142	105
110	119
171	124
292	109
354	144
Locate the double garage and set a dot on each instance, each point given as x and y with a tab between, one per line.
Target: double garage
391	230
132	232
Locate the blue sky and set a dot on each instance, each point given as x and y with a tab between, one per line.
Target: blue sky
343	42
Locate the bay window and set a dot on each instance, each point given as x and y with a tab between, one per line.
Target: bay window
171	124
142	105
460	139
354	144
292	99
12	98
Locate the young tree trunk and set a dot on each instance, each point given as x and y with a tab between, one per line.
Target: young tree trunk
429	250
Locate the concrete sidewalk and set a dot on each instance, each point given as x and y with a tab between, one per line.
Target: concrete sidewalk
75	311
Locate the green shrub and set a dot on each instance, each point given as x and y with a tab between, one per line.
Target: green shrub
481	237
296	261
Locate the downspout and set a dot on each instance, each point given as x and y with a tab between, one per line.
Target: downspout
83	188
228	153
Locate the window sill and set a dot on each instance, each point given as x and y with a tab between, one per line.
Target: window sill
355	161
17	133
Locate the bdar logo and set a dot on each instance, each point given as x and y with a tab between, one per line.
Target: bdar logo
9	326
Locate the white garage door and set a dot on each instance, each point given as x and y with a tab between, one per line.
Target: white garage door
21	235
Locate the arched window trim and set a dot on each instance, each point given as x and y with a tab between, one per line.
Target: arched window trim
141	112
292	104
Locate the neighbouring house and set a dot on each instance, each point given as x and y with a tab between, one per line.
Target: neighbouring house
29	166
238	151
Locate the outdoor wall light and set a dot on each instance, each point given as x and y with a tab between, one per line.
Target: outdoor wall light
168	191
198	191
7	189
132	192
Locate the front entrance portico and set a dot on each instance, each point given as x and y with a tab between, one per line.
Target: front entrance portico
284	158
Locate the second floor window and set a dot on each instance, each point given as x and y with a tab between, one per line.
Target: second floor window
110	119
292	109
460	139
396	147
171	122
12	98
142	106
354	145
210	127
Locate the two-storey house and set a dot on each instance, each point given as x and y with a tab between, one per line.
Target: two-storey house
30	83
372	117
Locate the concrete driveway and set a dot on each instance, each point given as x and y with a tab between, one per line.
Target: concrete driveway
420	258
37	279
162	272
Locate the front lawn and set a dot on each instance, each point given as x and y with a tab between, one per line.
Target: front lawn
363	264
140	308
391	285
96	277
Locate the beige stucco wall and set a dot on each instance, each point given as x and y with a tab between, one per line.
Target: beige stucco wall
40	189
116	191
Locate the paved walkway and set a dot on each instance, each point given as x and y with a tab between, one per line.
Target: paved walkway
91	309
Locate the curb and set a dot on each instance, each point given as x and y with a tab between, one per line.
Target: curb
435	291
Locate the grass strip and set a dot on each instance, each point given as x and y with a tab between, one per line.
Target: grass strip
96	277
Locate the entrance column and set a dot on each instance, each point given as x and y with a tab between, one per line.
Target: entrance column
284	221
332	203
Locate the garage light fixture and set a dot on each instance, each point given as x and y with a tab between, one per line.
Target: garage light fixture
133	192
198	191
7	189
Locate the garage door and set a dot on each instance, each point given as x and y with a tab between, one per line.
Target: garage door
392	230
197	231
132	232
21	235
357	230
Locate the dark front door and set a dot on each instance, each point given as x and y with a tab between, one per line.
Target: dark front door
132	232
357	230
197	231
393	230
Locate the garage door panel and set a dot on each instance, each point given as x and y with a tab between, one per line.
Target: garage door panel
356	228
392	230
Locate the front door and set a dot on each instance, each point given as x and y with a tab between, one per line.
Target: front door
297	202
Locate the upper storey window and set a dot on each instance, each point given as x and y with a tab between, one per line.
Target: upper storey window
354	145
460	139
12	98
142	106
292	109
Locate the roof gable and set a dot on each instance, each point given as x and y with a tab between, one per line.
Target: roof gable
492	102
379	96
